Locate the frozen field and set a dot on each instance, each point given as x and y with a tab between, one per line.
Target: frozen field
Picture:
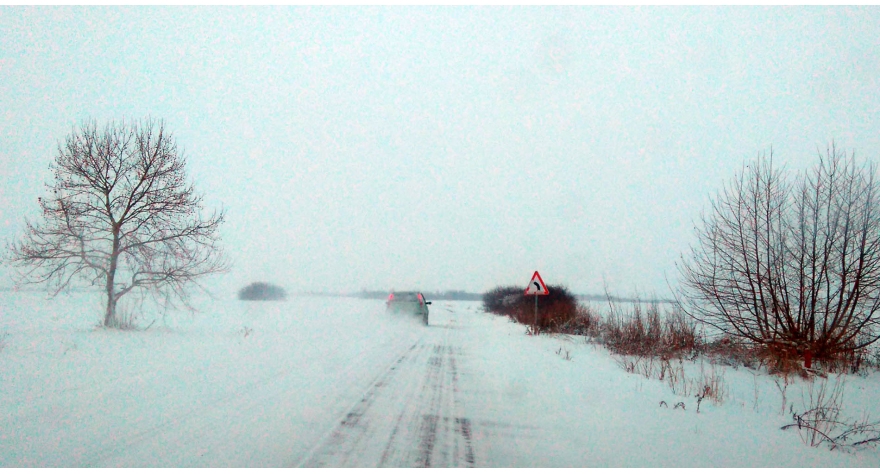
337	382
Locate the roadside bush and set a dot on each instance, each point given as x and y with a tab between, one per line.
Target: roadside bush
874	357
260	291
781	359
852	360
502	300
732	353
555	310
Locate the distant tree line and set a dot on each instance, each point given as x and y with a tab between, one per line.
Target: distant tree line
450	295
455	295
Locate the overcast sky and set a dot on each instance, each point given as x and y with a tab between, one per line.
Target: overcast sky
446	148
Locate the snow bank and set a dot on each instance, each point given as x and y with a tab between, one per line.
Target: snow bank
260	383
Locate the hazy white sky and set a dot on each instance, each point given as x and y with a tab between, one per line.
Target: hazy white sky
446	148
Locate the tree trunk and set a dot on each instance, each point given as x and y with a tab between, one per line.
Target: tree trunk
110	314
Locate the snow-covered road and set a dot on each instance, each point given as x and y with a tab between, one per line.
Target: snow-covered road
409	415
338	382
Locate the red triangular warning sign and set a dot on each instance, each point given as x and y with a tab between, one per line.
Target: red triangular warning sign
537	286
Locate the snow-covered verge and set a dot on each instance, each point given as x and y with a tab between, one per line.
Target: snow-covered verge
592	413
263	384
238	384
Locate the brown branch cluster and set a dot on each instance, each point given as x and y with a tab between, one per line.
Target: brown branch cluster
121	212
794	266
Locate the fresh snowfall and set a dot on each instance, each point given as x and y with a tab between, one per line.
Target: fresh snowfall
337	382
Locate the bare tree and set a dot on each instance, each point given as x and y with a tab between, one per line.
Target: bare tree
121	213
795	266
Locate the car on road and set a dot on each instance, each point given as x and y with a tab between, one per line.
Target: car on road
410	302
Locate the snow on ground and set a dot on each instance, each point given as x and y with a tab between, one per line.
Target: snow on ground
337	382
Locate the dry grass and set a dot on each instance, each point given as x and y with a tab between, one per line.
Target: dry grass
655	344
564	353
853	361
645	332
642	329
783	359
585	323
821	421
709	384
724	351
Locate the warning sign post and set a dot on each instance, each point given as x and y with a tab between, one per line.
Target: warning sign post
536	287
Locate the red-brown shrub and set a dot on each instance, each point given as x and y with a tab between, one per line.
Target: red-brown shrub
555	310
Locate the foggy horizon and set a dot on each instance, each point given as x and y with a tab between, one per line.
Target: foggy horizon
451	148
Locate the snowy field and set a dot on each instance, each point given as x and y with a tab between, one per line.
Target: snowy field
337	382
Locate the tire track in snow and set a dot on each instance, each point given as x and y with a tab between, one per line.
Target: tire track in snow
408	418
340	442
445	436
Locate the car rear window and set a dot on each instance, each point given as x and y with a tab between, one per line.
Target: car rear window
406	296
